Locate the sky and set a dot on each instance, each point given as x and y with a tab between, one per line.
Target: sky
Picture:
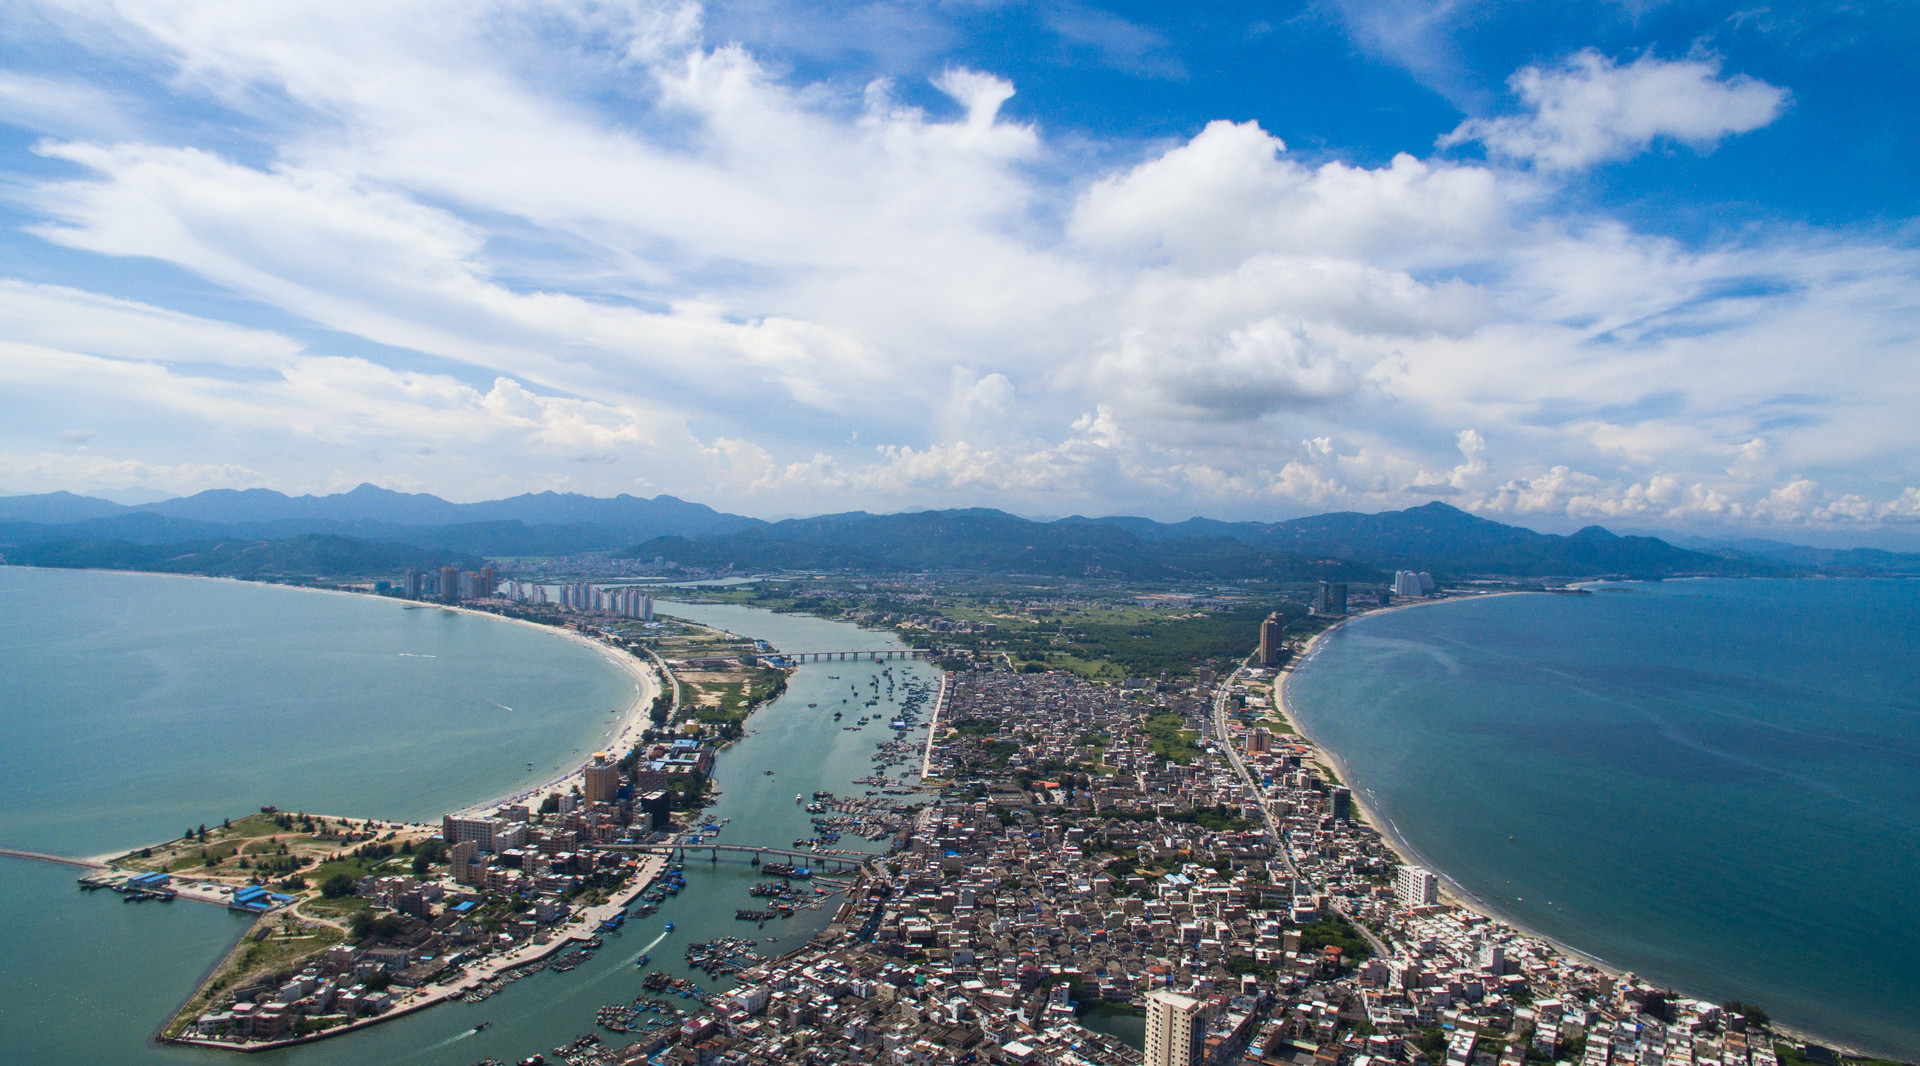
1646	264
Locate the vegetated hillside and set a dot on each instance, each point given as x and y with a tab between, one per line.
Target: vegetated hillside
1847	562
1449	541
544	523
368	503
310	556
56	507
987	540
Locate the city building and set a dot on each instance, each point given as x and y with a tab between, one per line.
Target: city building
1176	1030
1341	803
1408	586
1416	887
457	830
1331	598
1272	646
603	779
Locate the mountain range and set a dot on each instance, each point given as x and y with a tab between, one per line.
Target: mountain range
1339	546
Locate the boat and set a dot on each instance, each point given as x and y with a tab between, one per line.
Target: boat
797	798
643	960
482	1027
769	773
669	927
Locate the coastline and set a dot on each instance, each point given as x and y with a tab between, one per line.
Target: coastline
1402	848
632	719
1452	891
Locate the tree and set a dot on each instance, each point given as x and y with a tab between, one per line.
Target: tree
421	866
336	886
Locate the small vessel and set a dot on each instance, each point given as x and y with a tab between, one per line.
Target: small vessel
669	927
769	773
796	795
482	1027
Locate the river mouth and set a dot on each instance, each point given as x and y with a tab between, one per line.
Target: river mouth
75	947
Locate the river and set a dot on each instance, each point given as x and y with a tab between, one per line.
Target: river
139	704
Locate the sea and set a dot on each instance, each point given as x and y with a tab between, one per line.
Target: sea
1714	784
134	706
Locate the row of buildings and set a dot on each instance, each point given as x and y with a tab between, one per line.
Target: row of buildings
1086	858
449	584
622	602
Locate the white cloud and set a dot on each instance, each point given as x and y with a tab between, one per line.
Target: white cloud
632	259
1591	110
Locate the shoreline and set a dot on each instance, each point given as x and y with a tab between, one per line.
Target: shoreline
1453	891
631	722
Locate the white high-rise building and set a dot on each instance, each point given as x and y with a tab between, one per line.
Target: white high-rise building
1176	1030
1416	886
1408	586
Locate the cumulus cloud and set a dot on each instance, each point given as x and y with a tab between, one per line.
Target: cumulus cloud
609	255
1591	110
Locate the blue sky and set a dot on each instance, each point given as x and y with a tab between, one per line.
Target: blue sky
1646	264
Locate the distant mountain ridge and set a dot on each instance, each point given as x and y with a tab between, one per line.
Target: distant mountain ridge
1342	545
312	555
570	522
1339	546
980	539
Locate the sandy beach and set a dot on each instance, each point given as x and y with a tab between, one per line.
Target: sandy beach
625	734
1452	891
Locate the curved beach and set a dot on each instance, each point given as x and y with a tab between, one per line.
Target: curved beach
1640	773
625	734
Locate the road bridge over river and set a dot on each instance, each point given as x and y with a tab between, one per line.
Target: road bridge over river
827	860
872	654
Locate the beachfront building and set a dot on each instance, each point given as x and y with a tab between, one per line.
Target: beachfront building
1272	646
602	779
455	829
1416	887
1331	598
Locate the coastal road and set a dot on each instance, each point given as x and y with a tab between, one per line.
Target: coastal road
1224	738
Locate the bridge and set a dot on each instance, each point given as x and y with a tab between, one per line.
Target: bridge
817	860
873	654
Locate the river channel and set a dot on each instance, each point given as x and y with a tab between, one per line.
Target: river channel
795	737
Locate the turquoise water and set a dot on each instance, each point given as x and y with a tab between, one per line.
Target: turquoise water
135	705
1715	784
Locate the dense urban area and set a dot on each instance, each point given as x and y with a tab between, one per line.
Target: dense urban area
1111	817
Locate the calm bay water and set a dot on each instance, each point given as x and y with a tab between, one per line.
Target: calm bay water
135	705
1713	783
